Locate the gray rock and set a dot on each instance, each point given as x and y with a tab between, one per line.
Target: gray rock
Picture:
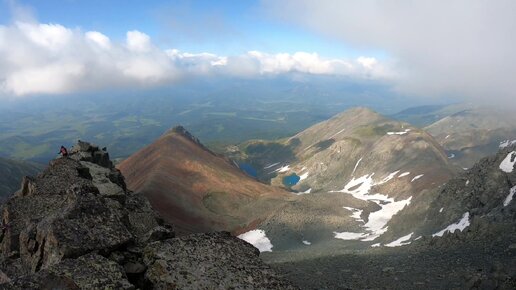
208	261
62	224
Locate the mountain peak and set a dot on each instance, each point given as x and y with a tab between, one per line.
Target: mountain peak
181	131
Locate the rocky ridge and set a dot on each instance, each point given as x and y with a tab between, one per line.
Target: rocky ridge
76	226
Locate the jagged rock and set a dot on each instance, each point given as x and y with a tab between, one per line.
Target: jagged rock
91	271
84	151
208	261
59	228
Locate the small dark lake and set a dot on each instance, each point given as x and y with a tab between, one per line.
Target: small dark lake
291	180
249	169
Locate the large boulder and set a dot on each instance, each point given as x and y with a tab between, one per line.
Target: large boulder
208	261
90	271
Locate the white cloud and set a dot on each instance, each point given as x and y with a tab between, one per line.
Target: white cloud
40	58
138	41
98	39
461	47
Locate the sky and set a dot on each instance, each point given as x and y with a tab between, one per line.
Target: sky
463	48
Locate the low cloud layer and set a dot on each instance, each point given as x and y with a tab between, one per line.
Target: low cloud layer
38	58
451	47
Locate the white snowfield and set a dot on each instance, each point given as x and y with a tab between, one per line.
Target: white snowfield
460	225
507	164
307	243
399	133
509	197
417	177
258	239
507	143
401	241
355	213
377	221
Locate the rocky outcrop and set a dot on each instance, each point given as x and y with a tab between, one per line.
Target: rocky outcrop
203	260
76	226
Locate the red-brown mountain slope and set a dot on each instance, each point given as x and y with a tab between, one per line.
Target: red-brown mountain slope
196	189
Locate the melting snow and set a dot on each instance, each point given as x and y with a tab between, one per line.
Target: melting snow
272	165
303	176
356	213
347	236
389	177
417	177
283	169
375	245
404	174
441	210
377	220
451	156
399	133
448	136
507	143
258	239
418	238
356	166
508	199
460	225
307	243
304	192
401	241
467	182
507	164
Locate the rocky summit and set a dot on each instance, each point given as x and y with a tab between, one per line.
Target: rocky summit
77	226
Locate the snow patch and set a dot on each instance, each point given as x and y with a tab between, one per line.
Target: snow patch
404	174
348	236
441	210
467	182
272	165
303	176
356	213
304	192
307	243
283	169
359	188
389	177
417	177
376	245
399	133
401	241
509	197
460	225
356	166
258	239
447	136
451	156
507	164
418	238
507	143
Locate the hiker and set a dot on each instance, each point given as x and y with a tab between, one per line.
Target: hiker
63	151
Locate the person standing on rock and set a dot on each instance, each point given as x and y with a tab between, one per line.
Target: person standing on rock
63	151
